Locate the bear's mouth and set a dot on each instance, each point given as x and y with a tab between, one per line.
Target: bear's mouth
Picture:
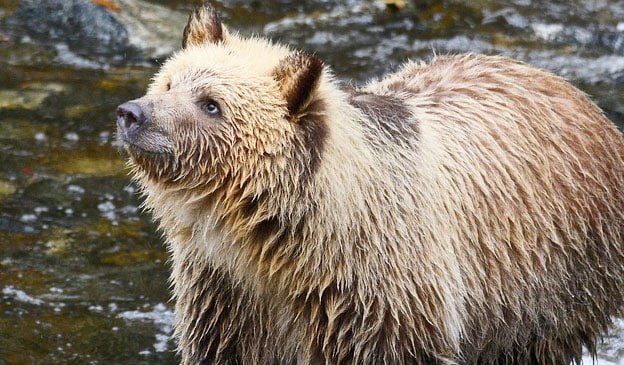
134	149
153	155
147	158
149	142
156	164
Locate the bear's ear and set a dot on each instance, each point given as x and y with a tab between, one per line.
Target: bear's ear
298	76
203	25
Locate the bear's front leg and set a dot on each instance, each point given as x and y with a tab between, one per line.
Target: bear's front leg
215	320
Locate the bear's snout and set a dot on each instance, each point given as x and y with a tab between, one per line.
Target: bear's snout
131	119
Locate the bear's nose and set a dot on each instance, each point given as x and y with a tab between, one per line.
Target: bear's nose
131	117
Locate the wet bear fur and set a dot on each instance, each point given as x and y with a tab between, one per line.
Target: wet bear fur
464	211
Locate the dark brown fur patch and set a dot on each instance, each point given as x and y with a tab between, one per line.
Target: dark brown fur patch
387	114
203	25
251	205
267	228
216	295
313	131
298	75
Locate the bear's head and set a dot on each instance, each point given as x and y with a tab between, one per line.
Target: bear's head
225	110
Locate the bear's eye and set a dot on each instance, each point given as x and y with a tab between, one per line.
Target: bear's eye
210	107
168	86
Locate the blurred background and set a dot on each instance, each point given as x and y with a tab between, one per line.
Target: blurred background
83	273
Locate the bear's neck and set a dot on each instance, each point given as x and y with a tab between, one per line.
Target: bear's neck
263	240
244	249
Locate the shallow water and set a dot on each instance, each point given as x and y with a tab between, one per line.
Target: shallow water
83	273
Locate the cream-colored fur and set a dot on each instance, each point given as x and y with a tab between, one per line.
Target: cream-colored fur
488	231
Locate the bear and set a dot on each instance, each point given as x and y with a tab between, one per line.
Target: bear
464	210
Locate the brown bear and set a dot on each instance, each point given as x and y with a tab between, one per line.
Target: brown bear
465	211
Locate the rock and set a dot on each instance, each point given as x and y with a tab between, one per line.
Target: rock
396	4
153	29
7	189
133	257
77	111
87	28
91	33
21	99
59	242
29	96
92	166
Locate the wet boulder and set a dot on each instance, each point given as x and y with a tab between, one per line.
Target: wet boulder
99	31
84	26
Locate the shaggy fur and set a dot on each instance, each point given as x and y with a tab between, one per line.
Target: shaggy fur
466	211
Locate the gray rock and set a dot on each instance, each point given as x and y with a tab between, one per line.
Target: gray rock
88	29
85	34
153	29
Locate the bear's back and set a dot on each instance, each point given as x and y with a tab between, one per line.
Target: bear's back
528	174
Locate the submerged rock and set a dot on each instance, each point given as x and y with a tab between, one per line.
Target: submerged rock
7	188
21	99
91	166
29	96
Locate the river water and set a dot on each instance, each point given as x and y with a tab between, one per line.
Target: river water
83	273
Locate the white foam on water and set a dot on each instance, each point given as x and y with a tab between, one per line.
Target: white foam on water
20	295
611	348
162	317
